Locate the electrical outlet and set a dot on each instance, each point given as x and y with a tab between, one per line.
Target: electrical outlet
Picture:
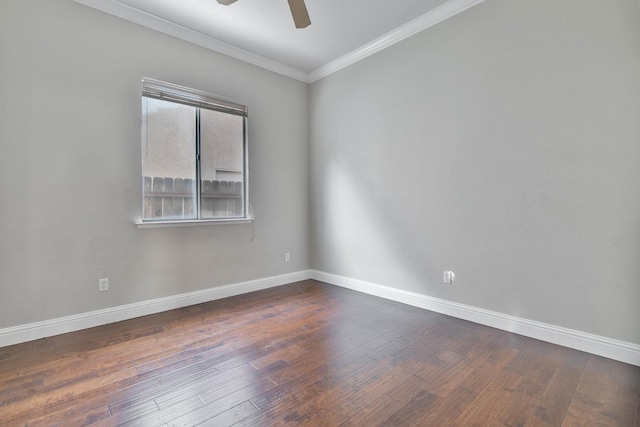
448	277
287	257
103	285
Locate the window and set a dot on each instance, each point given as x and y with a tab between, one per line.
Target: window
194	155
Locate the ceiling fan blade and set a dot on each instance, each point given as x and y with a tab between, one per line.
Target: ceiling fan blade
299	12
226	2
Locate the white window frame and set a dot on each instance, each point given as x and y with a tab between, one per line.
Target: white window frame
170	92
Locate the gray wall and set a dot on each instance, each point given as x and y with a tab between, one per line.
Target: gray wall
70	166
503	144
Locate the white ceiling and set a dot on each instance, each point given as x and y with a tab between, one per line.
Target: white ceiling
262	31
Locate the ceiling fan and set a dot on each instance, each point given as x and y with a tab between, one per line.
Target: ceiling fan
298	10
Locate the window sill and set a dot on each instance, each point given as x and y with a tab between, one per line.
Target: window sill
189	223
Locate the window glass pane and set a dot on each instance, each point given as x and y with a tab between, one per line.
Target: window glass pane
221	164
168	160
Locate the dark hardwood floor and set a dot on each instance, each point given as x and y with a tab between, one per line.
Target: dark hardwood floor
309	354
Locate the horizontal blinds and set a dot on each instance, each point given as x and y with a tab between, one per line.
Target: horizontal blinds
170	92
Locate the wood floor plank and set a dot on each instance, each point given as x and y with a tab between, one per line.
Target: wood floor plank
474	371
209	416
371	415
489	401
407	388
286	354
78	415
34	403
599	400
412	411
325	409
283	404
526	358
447	410
516	410
313	354
537	377
380	386
559	393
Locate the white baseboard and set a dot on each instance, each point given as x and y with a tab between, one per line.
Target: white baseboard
47	328
594	344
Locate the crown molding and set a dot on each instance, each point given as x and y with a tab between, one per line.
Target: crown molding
145	19
429	19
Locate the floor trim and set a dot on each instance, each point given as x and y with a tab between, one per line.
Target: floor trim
594	344
47	328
